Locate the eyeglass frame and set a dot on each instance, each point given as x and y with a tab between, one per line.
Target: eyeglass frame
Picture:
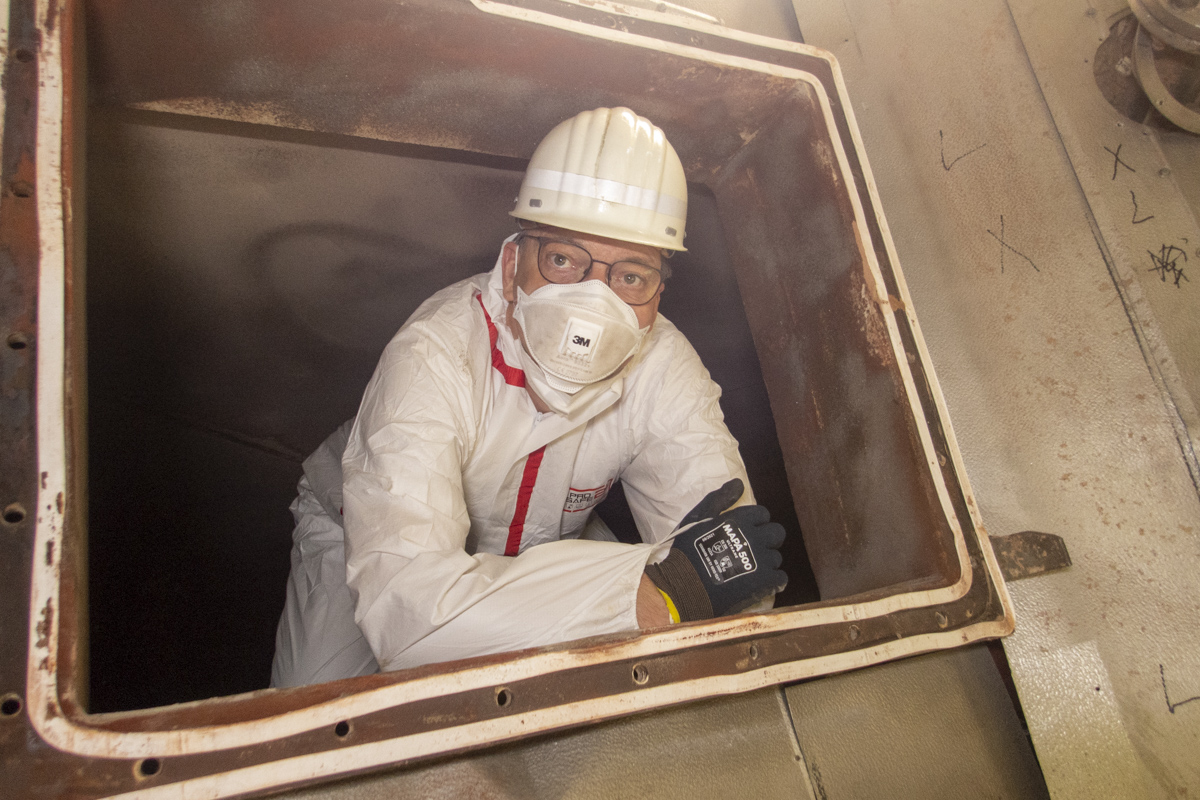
664	272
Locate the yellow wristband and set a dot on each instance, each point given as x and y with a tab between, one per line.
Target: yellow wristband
674	612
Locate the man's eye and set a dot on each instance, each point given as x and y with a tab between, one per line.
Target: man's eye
560	261
633	279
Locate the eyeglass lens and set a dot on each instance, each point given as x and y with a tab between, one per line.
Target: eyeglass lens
562	262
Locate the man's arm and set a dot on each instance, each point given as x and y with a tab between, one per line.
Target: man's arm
421	597
651	607
683	449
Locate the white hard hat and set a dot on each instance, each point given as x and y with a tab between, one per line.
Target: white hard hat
611	173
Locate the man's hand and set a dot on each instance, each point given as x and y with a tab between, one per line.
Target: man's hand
721	562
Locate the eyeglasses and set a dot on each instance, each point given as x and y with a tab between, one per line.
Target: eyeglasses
564	262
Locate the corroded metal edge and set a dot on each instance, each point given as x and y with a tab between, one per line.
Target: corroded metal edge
570	685
1030	553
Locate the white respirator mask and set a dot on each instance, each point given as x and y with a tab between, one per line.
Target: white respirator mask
577	333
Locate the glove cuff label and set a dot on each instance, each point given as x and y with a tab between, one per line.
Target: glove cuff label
725	553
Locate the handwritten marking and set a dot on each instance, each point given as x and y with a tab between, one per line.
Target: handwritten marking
942	143
1116	154
1167	695
1137	221
1004	244
1166	262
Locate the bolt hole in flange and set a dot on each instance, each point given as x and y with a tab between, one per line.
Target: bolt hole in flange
640	674
754	652
18	341
504	696
342	729
941	619
23	55
14	513
1175	74
21	188
10	705
147	768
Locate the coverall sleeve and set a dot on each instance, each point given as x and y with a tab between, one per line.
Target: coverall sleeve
684	450
420	597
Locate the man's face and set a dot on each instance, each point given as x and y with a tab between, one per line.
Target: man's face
521	270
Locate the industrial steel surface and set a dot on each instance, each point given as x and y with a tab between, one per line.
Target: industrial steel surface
887	516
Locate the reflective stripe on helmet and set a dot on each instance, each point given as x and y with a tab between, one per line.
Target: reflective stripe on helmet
612	191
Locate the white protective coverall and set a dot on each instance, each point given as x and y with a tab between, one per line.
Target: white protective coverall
465	508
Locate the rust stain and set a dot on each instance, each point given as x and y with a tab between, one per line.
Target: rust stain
1063	388
45	475
823	155
58	502
877	341
51	16
50	553
868	278
870	303
45	626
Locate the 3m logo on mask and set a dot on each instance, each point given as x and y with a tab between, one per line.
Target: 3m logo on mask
725	552
580	338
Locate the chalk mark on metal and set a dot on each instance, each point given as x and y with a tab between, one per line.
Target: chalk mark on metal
1004	244
1166	263
1162	674
942	143
1117	162
1135	219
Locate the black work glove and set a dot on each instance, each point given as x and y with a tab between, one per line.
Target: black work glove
721	563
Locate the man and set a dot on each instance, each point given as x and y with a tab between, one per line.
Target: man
454	516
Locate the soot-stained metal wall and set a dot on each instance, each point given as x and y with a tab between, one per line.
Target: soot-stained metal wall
243	281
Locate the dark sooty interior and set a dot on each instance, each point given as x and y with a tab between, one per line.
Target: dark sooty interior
242	281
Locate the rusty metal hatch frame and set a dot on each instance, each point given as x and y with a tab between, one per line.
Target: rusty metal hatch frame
765	124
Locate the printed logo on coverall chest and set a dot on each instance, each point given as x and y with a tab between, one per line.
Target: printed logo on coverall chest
583	499
581	338
725	552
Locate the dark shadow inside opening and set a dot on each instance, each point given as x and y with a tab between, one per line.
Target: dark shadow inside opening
241	283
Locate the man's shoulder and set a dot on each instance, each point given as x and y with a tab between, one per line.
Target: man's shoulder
668	364
446	336
666	347
451	302
451	315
